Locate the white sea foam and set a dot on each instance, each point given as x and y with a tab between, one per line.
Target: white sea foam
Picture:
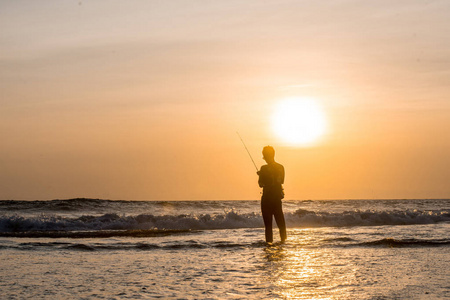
227	220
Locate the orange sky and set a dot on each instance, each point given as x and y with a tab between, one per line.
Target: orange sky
141	100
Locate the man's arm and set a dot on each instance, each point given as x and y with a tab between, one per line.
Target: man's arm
261	177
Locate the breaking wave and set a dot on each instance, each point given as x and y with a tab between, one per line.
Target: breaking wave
227	220
305	218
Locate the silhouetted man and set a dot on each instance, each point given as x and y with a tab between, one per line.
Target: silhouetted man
271	178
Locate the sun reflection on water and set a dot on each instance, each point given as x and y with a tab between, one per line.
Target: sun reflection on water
298	271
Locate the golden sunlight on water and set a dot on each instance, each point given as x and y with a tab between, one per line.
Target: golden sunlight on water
299	272
236	264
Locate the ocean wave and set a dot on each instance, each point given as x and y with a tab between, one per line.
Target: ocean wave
57	205
95	233
366	218
401	243
342	239
86	246
227	220
99	206
140	246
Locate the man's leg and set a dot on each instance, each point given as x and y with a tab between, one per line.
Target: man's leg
279	218
267	217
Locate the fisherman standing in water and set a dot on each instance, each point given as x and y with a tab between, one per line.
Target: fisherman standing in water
271	178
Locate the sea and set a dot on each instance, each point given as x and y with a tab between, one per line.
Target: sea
339	249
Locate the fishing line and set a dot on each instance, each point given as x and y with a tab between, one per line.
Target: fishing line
247	151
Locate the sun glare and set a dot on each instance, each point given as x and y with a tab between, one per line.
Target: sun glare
298	121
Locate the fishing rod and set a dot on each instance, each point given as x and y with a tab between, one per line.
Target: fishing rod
247	151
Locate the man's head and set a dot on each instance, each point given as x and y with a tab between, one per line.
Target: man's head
268	154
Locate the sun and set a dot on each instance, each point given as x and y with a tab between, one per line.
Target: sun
298	121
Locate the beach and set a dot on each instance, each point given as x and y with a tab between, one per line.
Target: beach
195	255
